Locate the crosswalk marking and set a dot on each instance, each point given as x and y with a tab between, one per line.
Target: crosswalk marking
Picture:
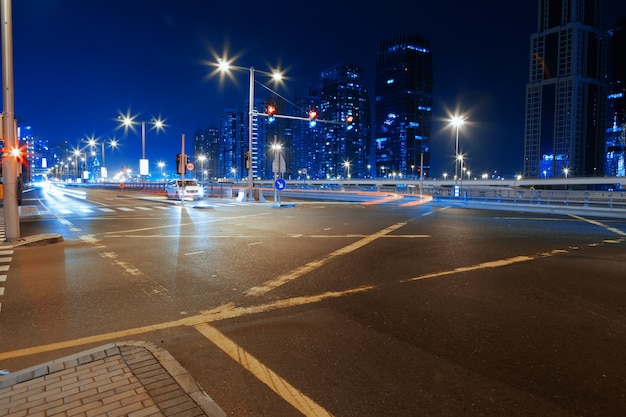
78	209
6	259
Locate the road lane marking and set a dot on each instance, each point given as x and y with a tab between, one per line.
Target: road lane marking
484	265
597	223
193	223
313	265
220	313
275	382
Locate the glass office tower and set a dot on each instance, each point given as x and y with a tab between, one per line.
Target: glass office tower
342	97
616	132
566	93
403	103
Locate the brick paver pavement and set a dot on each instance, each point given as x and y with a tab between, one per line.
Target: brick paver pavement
134	379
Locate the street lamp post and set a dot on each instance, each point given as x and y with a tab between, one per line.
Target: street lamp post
128	122
346	164
223	66
457	121
202	158
161	164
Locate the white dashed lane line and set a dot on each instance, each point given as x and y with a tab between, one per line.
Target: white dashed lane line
5	262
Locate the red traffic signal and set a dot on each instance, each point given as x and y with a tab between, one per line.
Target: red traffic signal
312	114
349	121
270	109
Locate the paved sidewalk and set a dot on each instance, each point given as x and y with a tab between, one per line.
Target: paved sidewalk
132	379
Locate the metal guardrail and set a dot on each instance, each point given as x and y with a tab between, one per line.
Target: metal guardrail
606	203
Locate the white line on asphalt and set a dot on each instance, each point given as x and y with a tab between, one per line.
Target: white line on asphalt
597	223
305	269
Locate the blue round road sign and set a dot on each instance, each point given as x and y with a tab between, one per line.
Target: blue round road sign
280	184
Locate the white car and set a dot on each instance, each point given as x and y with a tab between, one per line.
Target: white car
190	190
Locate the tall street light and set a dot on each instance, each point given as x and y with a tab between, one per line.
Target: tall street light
202	158
457	121
93	143
224	66
128	121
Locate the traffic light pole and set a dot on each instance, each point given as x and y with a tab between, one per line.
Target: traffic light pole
251	113
183	162
9	133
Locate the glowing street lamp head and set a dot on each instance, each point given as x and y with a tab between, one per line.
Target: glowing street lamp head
158	123
457	121
277	76
223	65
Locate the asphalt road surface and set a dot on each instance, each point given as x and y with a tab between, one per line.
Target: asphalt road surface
380	308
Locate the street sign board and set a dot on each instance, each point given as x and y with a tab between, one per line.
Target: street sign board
280	184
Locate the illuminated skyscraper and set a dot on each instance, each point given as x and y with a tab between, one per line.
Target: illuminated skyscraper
616	132
345	147
403	106
566	93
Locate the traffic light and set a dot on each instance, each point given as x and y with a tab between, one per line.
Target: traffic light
349	122
246	156
312	117
181	163
270	110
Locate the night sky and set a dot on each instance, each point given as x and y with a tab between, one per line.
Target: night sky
79	64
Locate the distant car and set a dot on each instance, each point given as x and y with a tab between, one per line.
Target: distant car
190	191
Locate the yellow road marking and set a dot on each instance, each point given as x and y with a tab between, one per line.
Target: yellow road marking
313	265
220	313
275	382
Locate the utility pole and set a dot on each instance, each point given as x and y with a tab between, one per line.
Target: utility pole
9	131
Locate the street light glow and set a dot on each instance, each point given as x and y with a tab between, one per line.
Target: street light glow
224	66
129	121
457	121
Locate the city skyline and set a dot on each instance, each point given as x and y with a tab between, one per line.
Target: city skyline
77	67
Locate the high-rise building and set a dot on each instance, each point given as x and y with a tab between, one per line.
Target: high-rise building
206	153
306	142
616	132
566	93
231	145
344	102
403	106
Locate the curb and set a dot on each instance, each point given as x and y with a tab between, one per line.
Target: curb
35	240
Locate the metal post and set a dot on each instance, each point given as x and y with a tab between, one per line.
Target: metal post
143	140
421	170
182	170
9	165
251	154
456	155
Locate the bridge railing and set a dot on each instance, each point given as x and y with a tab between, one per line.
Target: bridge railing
603	200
